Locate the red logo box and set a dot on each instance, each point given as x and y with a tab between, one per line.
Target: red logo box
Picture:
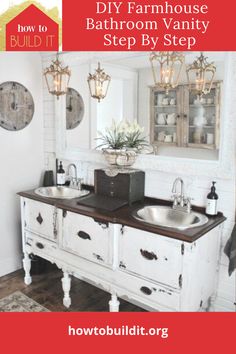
32	30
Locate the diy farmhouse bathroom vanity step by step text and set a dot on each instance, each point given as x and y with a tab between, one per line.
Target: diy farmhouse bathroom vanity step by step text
157	268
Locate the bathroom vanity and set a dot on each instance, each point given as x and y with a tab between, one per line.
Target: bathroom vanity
156	268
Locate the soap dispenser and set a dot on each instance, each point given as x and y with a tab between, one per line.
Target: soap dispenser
211	204
61	177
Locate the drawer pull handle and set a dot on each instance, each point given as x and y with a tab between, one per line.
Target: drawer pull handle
148	255
39	219
146	290
39	245
84	235
122	265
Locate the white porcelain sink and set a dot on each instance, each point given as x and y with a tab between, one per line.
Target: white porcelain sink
60	192
168	217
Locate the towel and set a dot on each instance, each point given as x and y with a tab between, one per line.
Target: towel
230	251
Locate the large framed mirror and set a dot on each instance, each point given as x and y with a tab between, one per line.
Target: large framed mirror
132	95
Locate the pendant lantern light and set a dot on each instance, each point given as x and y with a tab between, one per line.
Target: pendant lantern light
166	69
99	83
57	78
201	73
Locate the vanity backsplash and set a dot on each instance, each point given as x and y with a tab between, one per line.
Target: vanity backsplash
158	184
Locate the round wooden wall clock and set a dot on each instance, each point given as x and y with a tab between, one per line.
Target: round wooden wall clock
16	106
74	108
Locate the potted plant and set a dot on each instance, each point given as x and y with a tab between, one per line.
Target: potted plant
114	149
114	137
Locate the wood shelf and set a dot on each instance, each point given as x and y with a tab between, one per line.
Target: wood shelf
202	145
165	106
203	105
158	143
184	111
203	126
165	125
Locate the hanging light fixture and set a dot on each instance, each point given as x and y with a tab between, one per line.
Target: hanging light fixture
202	74
57	78
166	69
99	83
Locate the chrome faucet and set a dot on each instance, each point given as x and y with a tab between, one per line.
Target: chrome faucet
75	182
179	200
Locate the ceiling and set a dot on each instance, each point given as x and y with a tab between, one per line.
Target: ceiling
134	60
139	60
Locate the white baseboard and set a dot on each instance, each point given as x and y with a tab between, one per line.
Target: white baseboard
9	265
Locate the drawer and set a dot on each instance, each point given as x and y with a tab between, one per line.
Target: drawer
127	186
39	246
151	256
40	218
154	295
113	188
83	236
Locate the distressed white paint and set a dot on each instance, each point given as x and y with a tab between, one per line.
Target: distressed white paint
21	155
182	276
114	304
27	266
66	284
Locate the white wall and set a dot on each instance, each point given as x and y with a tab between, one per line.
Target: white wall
120	102
113	103
21	156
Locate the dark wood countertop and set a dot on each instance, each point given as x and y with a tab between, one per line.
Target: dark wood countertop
124	216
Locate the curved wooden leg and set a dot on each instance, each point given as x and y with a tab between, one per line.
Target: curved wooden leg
114	303
66	283
27	266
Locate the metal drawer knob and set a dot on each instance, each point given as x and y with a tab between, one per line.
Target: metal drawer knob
39	245
146	290
84	235
148	255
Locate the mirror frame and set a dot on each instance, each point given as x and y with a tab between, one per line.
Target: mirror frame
221	168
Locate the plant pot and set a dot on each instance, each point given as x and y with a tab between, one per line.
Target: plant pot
119	158
132	149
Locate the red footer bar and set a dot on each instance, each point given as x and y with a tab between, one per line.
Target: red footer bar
117	332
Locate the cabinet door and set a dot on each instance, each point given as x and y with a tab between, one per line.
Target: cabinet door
83	236
165	124
40	218
152	256
203	119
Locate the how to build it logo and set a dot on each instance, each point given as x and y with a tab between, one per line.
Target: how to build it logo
32	30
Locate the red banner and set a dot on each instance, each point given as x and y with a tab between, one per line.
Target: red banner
117	332
148	25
